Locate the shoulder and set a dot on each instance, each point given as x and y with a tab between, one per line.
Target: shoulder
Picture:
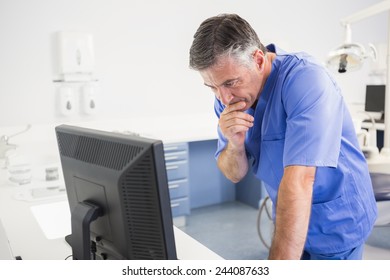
302	71
306	82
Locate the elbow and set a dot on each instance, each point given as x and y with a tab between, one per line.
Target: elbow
232	168
235	177
235	180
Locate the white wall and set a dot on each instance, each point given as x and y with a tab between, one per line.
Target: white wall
142	50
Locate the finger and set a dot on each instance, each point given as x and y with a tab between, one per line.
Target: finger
235	107
230	130
233	130
236	122
237	115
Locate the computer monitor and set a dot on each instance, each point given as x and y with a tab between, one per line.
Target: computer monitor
375	99
118	195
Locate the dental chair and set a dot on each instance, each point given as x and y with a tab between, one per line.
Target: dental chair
379	167
381	185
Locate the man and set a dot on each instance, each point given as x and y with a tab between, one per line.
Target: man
286	113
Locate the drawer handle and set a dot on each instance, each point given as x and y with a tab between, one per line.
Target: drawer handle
171	148
171	158
174	186
172	167
175	205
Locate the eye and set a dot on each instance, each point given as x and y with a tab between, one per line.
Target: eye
231	83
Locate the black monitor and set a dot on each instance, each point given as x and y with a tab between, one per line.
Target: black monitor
118	195
375	98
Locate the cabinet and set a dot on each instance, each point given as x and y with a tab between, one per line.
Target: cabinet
195	181
208	186
176	161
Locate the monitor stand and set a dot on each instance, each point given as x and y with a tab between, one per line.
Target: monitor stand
80	240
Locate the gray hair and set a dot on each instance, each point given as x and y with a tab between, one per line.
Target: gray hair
223	35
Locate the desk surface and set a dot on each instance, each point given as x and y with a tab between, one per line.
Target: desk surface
5	249
27	237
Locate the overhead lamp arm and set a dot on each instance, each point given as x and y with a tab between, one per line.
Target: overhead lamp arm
348	34
370	11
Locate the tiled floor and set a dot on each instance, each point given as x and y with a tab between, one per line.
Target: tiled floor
230	230
378	244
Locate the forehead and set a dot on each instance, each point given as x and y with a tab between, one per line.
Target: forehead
226	69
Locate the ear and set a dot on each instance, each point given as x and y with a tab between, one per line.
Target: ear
259	58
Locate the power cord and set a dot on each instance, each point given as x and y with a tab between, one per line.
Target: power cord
93	252
263	208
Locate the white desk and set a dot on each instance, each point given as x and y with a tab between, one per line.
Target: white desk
40	146
5	248
28	240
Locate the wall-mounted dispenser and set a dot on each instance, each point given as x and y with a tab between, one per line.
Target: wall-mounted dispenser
75	73
76	56
88	99
67	100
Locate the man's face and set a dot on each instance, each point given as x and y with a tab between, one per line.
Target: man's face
232	82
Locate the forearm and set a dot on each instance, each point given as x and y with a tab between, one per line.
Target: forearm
234	125
233	163
292	218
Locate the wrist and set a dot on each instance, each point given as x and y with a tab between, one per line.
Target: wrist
235	149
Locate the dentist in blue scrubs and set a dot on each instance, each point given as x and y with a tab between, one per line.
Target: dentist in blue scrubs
286	113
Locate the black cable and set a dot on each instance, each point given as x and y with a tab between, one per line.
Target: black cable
93	250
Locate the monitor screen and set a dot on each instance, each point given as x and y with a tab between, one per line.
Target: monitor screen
118	195
375	98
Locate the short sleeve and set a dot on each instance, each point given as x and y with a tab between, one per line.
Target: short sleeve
222	141
315	111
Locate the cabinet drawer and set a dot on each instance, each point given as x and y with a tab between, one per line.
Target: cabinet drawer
180	207
178	188
176	156
177	170
175	147
176	162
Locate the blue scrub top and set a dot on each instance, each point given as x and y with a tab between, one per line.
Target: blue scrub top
301	119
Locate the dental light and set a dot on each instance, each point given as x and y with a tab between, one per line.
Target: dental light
350	56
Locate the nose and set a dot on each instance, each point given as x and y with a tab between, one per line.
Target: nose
225	96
